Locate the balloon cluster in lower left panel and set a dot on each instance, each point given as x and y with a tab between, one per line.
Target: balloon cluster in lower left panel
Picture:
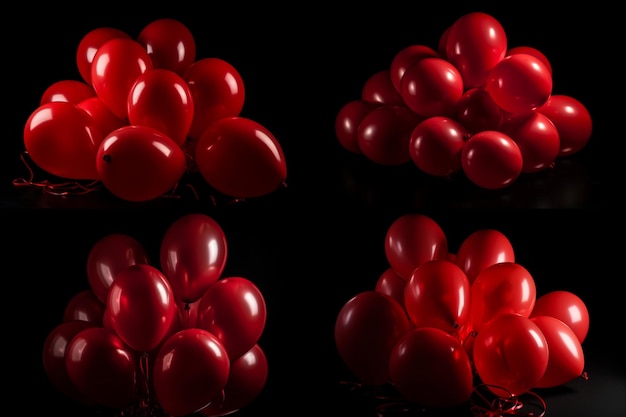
172	341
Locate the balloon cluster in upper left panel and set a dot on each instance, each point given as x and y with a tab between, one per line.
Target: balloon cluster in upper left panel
148	111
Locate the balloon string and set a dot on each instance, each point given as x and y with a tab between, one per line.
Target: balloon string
500	406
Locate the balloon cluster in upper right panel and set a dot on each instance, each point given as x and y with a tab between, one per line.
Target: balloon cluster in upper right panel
470	105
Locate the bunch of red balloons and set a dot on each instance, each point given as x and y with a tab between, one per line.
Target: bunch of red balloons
180	339
473	105
146	112
438	324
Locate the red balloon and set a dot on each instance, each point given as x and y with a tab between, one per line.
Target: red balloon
103	117
483	248
392	284
477	111
347	123
63	140
89	45
84	306
384	133
524	49
169	43
217	90
438	295
72	91
246	380
54	352
102	367
190	370
141	306
436	145
566	360
405	58
241	158
413	239
139	163
115	67
491	159
474	44
429	366
519	83
510	355
366	331
379	89
161	99
567	307
572	121
432	87
234	310
193	255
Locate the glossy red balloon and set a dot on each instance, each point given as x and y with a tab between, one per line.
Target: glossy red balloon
474	44
438	295
432	87
392	284
218	91
115	67
246	380
428	366
567	307
85	306
141	306
525	49
510	355
103	117
519	83
572	120
411	240
53	356
483	248
347	123
241	158
405	58
169	43
379	89
102	367
477	111
502	288
161	99
491	159
436	145
139	163
234	310
63	140
72	91
193	255
366	331
384	133
566	360
190	369
537	138
89	45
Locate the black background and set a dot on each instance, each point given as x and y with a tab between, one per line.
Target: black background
317	242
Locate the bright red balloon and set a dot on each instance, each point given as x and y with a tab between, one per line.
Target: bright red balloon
110	255
190	369
102	367
438	295
474	44
169	43
477	111
566	360
429	366
436	145
241	158
405	58
519	83
139	163
432	87
103	117
234	310
491	159
413	239
218	91
379	89
115	67
141	306
347	123
84	306
89	45
392	284
193	255
572	120
72	91
525	49
510	355
483	248
63	140
567	307
366	331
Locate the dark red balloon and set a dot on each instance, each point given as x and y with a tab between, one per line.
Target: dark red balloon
169	43
405	58
72	91
525	49
89	45
477	111
567	307
379	89
436	145
103	117
392	284
572	120
483	248
347	123
84	306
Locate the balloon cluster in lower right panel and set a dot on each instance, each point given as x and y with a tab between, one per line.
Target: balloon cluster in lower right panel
445	330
